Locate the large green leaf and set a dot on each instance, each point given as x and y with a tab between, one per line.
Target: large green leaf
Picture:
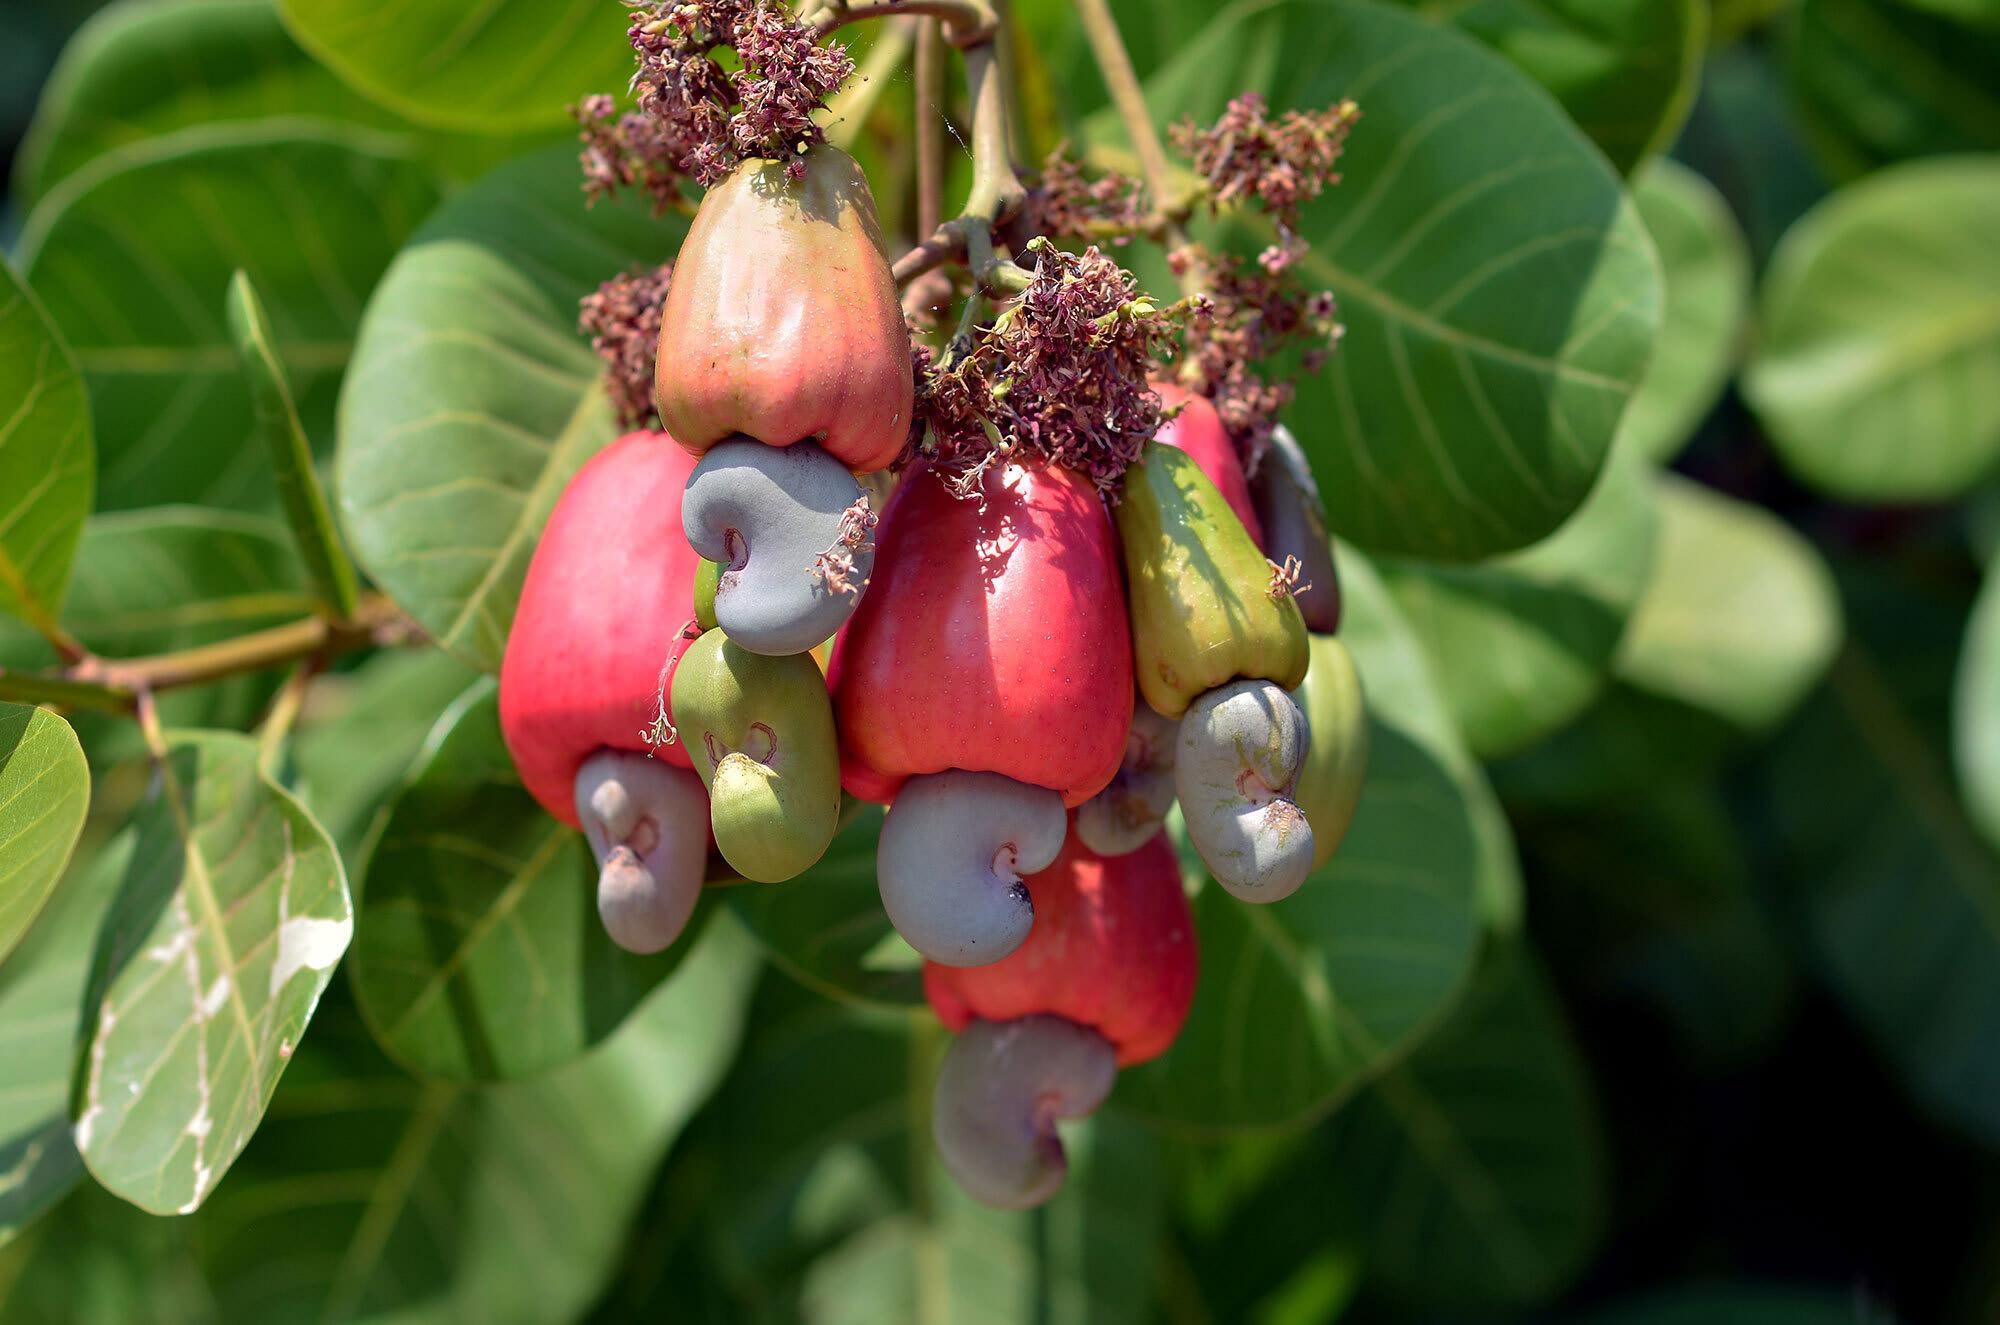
227	928
1707	265
1971	11
1975	727
1878	370
361	733
41	1004
839	1212
1476	1170
133	254
502	65
1301	1001
1499	293
371	1196
1877	82
480	955
1895	892
473	399
1521	644
1625	70
47	465
44	793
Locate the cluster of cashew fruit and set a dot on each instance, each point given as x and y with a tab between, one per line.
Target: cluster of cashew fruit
1028	674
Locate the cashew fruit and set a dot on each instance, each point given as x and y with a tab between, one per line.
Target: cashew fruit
761	731
763	514
1329	786
783	322
999	1093
1294	520
1126	814
1236	774
1113	949
1203	609
647	824
1198	430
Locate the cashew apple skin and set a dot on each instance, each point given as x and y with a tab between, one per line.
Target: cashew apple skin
1198	430
600	619
1202	609
783	322
1113	949
999	1093
992	638
1336	765
761	731
1294	519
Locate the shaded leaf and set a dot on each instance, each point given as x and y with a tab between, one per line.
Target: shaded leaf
480	954
227	928
133	254
1737	1303
1878	369
371	1196
44	794
1877	82
1499	293
504	65
46	458
1522	644
1976	711
1707	266
41	1006
1985	12
1476	1170
473	398
1301	1001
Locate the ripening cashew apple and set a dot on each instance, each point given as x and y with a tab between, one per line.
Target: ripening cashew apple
599	625
761	731
1329	783
1104	982
983	684
1217	642
1294	521
1198	430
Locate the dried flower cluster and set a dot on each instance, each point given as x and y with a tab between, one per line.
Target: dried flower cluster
622	320
1255	312
628	150
1059	377
711	117
854	536
1067	204
1282	164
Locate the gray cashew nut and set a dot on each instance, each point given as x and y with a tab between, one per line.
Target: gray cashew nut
1002	1088
953	849
765	515
1241	748
1125	815
647	822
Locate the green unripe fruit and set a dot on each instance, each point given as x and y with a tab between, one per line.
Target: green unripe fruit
706	576
760	729
1203	610
1330	780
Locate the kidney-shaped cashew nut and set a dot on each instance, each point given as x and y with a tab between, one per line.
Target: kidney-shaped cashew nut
647	823
1002	1088
1241	748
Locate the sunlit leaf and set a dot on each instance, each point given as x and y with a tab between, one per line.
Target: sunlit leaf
46	457
44	792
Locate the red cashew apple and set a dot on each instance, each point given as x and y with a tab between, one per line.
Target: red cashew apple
982	685
1198	430
1105	981
783	322
601	619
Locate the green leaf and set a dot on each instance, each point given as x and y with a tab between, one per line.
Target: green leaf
1876	82
1976	710
44	793
371	1196
133	254
480	955
1300	1002
47	464
290	453
473	398
1499	293
1741	617
1625	70
1738	1304
1985	12
840	1212
1897	896
503	65
1477	1170
41	1007
1878	370
1707	265
1522	644
225	932
363	730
